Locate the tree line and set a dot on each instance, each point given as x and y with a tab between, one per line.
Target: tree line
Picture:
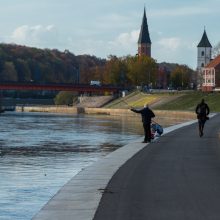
28	64
143	71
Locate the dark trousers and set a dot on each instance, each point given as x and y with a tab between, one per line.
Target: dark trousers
201	121
201	124
147	131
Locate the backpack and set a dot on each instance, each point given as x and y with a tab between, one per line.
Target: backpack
202	109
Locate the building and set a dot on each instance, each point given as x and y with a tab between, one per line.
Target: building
162	78
211	75
208	69
204	56
144	42
204	50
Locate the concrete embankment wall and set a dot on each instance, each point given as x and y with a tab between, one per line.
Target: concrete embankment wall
178	115
49	109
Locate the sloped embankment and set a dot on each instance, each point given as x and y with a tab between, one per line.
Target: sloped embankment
139	99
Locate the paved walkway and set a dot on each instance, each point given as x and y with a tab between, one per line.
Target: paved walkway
80	197
175	178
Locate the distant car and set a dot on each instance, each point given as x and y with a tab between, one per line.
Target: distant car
95	83
170	88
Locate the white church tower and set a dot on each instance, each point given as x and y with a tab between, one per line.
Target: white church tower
204	55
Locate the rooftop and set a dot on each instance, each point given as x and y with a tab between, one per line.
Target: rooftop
214	63
144	36
204	41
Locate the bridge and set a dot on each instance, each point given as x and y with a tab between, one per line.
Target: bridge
59	87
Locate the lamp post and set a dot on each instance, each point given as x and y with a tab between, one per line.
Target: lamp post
182	79
148	79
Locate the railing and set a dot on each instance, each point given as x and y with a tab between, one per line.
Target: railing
59	87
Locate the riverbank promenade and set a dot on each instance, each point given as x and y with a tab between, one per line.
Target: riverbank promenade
175	177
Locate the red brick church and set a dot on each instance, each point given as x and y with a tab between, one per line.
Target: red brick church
144	42
144	48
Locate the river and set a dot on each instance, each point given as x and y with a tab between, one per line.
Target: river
40	152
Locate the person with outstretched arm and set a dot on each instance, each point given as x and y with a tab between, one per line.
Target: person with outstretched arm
146	114
202	111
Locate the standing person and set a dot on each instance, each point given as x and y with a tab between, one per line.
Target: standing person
202	111
146	114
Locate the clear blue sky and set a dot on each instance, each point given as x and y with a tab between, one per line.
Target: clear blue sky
104	27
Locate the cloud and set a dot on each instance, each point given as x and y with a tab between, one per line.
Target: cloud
172	43
125	40
38	35
175	50
122	45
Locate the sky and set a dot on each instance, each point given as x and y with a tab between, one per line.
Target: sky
111	27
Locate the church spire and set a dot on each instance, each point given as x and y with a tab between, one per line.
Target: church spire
144	36
204	41
144	42
204	51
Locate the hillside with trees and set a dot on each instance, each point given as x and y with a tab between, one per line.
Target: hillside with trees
28	64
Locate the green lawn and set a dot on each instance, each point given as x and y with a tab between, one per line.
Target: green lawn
135	99
189	101
185	102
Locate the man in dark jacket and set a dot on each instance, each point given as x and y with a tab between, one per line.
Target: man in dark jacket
202	111
146	114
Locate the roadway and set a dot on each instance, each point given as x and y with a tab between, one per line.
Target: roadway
176	177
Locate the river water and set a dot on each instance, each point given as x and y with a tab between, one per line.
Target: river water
39	153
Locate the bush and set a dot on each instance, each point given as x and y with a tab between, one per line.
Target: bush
65	98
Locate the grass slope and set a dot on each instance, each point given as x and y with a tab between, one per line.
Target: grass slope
189	101
137	100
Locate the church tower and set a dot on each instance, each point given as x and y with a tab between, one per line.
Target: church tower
204	54
144	42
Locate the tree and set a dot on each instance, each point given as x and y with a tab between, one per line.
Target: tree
35	70
23	70
181	76
87	65
216	50
142	70
65	98
8	73
33	64
116	71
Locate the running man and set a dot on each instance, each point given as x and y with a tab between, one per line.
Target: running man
202	111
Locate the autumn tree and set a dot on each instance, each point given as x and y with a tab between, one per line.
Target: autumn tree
181	76
46	66
116	71
142	70
9	72
65	98
89	67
